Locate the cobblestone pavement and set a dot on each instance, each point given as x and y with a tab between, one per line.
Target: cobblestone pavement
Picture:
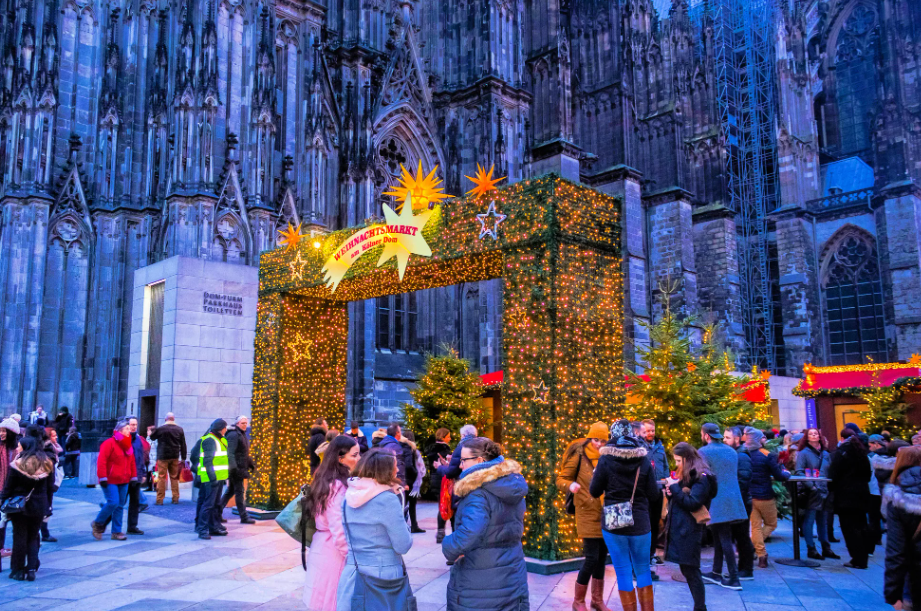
258	568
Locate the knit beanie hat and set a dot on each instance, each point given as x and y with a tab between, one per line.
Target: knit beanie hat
599	430
218	425
621	428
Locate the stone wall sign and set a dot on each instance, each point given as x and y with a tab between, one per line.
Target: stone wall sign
220	303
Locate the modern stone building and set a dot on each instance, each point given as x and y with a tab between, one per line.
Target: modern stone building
133	131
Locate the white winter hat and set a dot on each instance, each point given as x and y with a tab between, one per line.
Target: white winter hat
10	425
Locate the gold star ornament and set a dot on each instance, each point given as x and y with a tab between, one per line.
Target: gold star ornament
483	182
290	238
297	266
300	347
424	190
540	393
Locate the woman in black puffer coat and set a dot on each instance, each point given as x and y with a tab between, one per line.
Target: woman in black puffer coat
30	476
902	502
694	488
623	473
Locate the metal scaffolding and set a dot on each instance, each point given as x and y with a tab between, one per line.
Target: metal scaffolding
746	95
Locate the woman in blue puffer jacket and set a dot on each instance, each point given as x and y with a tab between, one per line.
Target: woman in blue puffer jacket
489	572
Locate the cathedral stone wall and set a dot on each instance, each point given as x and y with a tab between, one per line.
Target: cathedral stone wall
135	131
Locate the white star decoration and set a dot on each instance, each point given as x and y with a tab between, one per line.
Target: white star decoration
491	231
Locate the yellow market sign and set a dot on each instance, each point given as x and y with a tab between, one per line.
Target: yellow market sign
400	235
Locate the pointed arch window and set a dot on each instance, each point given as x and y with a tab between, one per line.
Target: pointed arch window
856	79
854	303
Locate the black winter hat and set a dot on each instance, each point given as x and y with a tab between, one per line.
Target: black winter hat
218	425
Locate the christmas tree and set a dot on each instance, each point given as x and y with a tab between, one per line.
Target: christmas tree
685	385
448	396
886	410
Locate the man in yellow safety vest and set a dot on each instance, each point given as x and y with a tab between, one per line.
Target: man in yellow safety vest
213	470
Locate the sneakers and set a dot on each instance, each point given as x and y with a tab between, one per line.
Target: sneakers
217	533
416	530
440	535
204	536
731	584
712	578
30	575
18	575
50	539
746	576
119	537
653	576
762	562
248	521
135	531
97	532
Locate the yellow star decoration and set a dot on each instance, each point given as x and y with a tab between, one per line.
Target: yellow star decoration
483	182
915	359
297	266
423	190
408	240
300	348
540	393
290	238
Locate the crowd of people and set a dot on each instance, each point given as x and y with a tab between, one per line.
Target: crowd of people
627	502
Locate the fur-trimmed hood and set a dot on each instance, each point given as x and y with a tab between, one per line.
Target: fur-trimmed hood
907	494
503	479
882	463
623	451
33	468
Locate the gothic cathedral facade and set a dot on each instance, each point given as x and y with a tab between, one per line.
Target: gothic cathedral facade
136	130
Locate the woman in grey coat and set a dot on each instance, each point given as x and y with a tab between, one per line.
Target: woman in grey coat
811	454
376	532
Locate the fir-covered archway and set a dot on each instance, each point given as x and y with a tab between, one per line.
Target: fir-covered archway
555	244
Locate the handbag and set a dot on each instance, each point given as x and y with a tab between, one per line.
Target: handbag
445	507
702	515
375	593
15	504
620	515
570	502
290	520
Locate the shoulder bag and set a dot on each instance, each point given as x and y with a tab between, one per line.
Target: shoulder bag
375	593
620	515
15	504
570	495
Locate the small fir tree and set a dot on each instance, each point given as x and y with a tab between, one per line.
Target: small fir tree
886	410
448	395
687	385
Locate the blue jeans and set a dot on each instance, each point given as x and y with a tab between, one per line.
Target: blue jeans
814	516
630	556
114	509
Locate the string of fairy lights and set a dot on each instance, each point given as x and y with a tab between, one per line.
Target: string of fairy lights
557	248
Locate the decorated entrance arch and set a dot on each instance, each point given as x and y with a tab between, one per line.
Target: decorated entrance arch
555	244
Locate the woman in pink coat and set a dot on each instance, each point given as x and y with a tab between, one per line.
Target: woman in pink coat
328	549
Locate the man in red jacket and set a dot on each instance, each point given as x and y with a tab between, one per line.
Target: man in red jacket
115	469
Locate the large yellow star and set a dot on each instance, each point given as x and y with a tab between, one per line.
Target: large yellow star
405	235
483	181
423	190
290	238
